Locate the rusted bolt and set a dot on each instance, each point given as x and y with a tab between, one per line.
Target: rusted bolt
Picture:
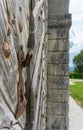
20	26
6	50
8	31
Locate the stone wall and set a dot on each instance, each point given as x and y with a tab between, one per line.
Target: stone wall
59	22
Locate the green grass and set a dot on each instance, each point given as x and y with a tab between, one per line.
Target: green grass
76	91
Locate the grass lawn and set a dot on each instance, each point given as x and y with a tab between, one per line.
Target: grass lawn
76	91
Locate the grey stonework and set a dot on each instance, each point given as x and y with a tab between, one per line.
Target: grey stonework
57	96
58	7
58	45
58	82
57	122
58	57
59	22
58	69
57	109
59	33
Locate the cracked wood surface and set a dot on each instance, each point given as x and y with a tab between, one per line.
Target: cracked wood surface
14	32
20	27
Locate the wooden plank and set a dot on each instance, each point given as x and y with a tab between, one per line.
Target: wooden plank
37	105
37	7
11	13
38	61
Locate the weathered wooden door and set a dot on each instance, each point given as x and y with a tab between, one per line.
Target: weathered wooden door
23	33
14	34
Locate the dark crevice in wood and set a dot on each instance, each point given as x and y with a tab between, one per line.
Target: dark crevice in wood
27	95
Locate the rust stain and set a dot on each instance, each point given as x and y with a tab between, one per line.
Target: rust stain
20	26
22	62
21	106
8	31
21	56
6	50
8	14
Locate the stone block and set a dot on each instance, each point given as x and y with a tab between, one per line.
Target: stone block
60	18
57	122
58	6
57	95
59	21
58	57
58	82
58	109
53	45
58	45
58	69
58	33
63	45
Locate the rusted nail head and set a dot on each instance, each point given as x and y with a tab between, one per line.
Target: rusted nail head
20	26
6	50
21	107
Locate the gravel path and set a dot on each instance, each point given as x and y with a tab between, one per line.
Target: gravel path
75	116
